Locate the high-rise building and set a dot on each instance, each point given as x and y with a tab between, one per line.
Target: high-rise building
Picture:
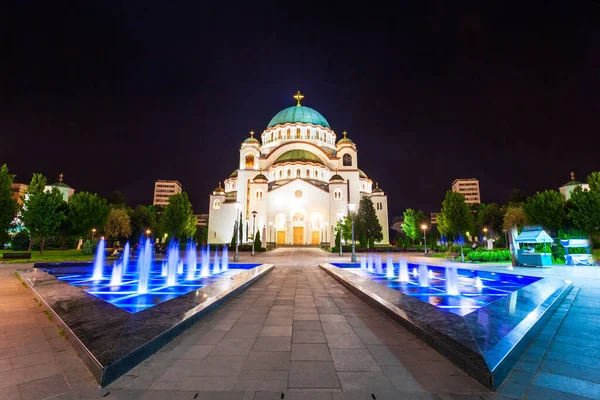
18	191
468	187
163	190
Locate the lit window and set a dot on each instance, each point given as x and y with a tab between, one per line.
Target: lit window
337	194
297	132
289	173
298	173
259	194
288	133
280	174
280	134
307	173
216	204
347	160
249	160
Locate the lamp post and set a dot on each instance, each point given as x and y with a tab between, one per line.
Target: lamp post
148	232
484	233
351	208
93	233
270	228
253	230
238	205
424	237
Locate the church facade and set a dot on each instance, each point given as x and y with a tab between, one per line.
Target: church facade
293	185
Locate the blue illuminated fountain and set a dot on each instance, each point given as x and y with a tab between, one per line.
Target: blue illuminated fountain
99	261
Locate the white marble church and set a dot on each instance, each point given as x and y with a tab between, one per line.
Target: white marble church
295	185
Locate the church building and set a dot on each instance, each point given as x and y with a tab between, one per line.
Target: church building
293	185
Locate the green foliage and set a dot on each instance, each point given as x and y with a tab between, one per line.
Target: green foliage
546	208
338	239
201	235
117	200
483	255
514	216
179	220
8	205
87	247
142	218
118	224
20	241
257	242
454	217
491	217
234	236
363	241
366	221
409	226
594	181
240	237
345	225
516	198
371	243
44	213
585	210
87	211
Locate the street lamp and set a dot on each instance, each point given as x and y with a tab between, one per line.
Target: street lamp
253	229
424	237
484	233
351	208
238	205
270	228
148	232
93	233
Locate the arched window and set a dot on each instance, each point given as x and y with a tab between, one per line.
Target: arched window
280	134
288	133
316	174
298	173
217	204
280	174
259	194
337	194
307	173
321	136
272	136
297	133
249	160
347	160
289	173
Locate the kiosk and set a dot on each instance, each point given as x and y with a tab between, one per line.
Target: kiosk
577	259
527	256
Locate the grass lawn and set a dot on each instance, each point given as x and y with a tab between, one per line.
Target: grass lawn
597	254
52	256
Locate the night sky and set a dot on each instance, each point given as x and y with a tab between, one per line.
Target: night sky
120	94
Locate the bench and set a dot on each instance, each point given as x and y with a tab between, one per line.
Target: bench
452	256
16	256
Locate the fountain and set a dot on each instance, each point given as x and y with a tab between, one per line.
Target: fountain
143	265
172	263
125	257
478	283
414	272
117	275
378	265
216	263
403	274
179	267
225	260
191	260
363	263
163	269
389	267
370	263
99	261
452	281
204	262
423	275
430	275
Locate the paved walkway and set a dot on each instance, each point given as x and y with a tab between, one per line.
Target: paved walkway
296	333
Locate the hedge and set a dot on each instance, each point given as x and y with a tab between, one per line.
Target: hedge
482	255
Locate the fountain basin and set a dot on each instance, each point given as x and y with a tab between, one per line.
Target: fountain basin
110	339
485	341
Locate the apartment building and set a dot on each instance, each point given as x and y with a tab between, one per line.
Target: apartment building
163	190
468	187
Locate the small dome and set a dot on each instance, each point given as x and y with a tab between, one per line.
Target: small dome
219	190
298	156
251	140
377	188
301	114
361	174
345	139
234	174
260	178
336	177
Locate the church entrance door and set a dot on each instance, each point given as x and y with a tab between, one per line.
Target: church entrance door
315	237
299	235
280	237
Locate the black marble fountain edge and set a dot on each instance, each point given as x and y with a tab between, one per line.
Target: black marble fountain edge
490	379
113	370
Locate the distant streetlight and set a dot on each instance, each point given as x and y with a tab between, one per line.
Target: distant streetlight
93	233
148	232
253	229
484	233
351	208
424	237
238	206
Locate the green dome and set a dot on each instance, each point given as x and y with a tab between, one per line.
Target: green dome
301	114
298	156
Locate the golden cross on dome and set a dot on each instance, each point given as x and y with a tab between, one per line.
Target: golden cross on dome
60	176
572	175
376	185
252	134
345	134
219	185
298	96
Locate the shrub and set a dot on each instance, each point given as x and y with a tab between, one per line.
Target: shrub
257	243
483	255
20	241
371	243
87	247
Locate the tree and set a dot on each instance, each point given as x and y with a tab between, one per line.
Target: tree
491	216
87	211
514	218
345	224
546	208
118	224
257	242
117	199
34	191
178	219
142	218
409	226
8	205
516	197
594	181
585	211
44	214
366	221
455	216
